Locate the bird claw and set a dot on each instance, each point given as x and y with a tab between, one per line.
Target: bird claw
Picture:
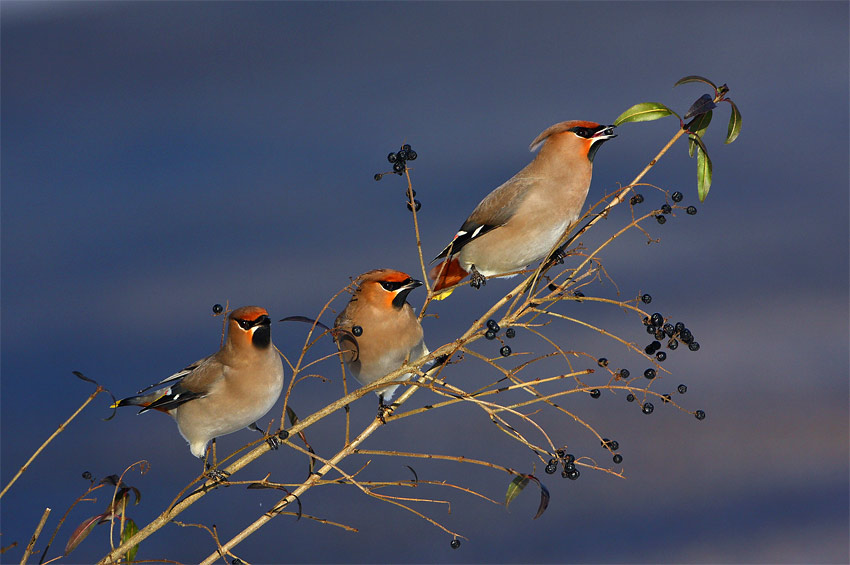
273	442
216	474
385	409
476	279
557	257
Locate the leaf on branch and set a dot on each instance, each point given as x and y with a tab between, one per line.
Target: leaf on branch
415	476
703	104
703	169
734	123
695	78
516	486
130	529
519	483
698	126
644	112
82	532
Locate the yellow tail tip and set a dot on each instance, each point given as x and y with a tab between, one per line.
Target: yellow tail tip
443	294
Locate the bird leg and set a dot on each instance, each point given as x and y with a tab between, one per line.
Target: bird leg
384	409
476	279
271	440
212	471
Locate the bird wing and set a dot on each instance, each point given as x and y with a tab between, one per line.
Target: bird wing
494	211
195	381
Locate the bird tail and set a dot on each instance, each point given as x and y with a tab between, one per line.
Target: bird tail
143	400
446	274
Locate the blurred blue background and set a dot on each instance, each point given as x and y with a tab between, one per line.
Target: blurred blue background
158	158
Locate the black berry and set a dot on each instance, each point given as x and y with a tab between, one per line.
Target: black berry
416	203
402	155
679	326
666	209
693	346
682	389
490	334
699	415
87	475
510	333
493	325
392	158
398	167
661	356
668	329
217	309
646	321
672	344
595	393
411	155
569	458
455	543
650	329
648	408
646	298
573	475
357	331
603	362
659	334
378	176
618	459
624	373
630	397
677	196
560	453
550	469
649	373
405	147
660	218
636	199
666	398
505	351
691	210
657	319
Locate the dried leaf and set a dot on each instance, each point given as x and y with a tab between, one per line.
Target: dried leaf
82	532
644	112
701	105
734	123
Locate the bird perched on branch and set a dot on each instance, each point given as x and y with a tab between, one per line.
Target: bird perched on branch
378	330
224	392
521	221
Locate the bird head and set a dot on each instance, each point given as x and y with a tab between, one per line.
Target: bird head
585	137
386	287
250	324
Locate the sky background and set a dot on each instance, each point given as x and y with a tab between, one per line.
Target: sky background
159	158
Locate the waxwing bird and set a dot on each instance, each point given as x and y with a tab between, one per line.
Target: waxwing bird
378	330
226	391
521	221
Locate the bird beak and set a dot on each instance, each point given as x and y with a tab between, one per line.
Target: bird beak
411	284
606	132
401	295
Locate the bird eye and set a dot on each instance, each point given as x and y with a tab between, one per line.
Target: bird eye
244	324
582	132
389	286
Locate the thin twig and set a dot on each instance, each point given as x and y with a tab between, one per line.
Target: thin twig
35	535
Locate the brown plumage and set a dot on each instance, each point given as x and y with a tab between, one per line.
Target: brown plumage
226	391
520	221
378	330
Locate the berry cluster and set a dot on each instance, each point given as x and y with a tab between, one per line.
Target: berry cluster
677	332
612	446
493	332
399	161
665	208
568	462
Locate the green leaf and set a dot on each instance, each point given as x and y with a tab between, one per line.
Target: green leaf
516	486
519	483
698	127
644	112
694	78
703	169
130	529
734	123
